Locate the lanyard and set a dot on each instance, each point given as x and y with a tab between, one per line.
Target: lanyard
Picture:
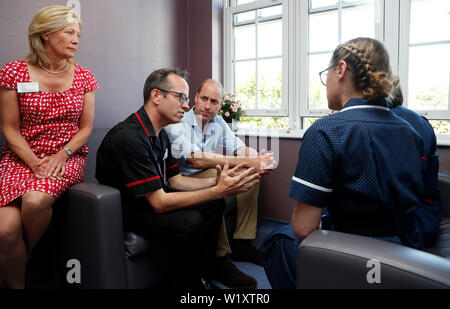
162	172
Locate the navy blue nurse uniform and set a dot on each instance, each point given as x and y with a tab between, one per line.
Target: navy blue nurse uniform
364	164
428	216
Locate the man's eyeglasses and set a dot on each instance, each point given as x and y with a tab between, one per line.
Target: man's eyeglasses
182	98
323	75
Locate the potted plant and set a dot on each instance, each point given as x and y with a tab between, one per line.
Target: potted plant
231	109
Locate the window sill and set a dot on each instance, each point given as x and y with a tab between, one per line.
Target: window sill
442	140
274	133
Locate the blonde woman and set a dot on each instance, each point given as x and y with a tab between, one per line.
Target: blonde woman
46	113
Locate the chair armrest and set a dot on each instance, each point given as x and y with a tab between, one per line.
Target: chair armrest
329	259
90	229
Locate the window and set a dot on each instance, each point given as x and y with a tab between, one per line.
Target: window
331	23
425	58
274	50
239	2
257	57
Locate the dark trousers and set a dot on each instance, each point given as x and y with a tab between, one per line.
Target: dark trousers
187	240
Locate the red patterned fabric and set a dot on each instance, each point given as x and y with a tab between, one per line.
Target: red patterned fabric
49	120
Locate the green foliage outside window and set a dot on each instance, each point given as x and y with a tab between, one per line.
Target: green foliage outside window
270	94
269	97
433	99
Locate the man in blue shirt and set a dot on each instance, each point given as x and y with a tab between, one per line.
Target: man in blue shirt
180	214
196	141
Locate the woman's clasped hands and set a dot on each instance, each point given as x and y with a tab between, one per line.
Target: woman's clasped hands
52	167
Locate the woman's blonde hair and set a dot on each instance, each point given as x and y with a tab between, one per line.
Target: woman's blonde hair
369	62
47	20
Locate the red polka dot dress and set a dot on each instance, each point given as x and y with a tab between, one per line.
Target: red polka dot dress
48	121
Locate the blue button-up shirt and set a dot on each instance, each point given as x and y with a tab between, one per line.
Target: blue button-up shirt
430	214
186	137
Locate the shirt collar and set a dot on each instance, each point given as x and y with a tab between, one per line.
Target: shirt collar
381	102
147	125
145	122
189	117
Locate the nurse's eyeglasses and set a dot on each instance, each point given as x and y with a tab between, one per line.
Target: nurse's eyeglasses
323	74
182	98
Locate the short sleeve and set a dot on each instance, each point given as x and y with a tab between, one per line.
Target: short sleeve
134	163
8	76
313	180
171	162
173	168
89	81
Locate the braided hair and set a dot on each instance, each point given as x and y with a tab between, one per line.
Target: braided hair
369	62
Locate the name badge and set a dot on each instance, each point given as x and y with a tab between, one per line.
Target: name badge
166	154
27	87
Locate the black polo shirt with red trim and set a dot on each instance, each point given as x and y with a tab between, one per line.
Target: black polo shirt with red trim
134	160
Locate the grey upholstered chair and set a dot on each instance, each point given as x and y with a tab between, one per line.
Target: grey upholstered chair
329	259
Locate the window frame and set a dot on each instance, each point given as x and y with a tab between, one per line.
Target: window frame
389	14
229	11
303	71
404	49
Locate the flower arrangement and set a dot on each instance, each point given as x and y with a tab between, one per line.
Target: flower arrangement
231	108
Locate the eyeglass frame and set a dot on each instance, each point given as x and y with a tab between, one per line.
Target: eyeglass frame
321	72
330	67
182	98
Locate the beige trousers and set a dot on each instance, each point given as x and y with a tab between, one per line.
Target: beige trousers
247	212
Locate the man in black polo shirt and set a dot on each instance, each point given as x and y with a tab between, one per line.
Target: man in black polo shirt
158	202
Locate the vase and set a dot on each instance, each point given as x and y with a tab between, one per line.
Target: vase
232	123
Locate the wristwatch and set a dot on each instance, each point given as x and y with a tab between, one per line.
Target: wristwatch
69	152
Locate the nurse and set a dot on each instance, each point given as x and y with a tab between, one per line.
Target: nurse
363	163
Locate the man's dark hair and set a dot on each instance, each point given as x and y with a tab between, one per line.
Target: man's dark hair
158	79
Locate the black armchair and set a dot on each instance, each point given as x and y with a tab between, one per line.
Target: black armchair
87	227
